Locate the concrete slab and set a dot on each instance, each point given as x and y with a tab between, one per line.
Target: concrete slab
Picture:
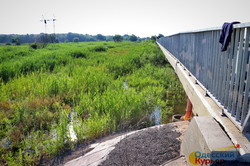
99	153
91	159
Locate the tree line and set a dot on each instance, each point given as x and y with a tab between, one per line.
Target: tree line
67	37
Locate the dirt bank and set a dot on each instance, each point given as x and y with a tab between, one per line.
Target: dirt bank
149	147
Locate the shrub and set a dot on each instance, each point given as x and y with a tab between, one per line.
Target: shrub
6	73
34	45
78	54
111	46
23	53
38	45
99	49
158	59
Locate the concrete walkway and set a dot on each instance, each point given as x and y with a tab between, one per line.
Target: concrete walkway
99	153
150	146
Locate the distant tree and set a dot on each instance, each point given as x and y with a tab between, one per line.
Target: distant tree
27	38
82	38
126	37
144	38
100	37
118	38
76	39
16	40
4	38
44	39
90	38
159	36
153	38
109	38
140	39
133	38
62	37
52	38
13	41
70	36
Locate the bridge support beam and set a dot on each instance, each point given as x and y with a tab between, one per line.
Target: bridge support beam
203	145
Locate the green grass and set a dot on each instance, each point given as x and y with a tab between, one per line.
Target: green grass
41	88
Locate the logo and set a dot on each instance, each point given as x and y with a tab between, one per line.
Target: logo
218	155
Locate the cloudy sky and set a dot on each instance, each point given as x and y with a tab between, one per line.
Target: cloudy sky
109	17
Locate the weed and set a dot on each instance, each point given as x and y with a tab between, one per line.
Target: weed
41	88
78	54
99	49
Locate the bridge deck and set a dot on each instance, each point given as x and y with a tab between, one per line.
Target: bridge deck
225	75
205	106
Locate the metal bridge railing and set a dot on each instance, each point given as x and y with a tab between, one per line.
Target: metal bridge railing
225	75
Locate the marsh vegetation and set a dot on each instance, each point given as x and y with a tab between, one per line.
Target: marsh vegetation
82	90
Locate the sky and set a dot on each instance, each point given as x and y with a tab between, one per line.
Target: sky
109	17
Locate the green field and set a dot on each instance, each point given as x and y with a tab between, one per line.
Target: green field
88	89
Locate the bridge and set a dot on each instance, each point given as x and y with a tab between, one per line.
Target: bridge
218	84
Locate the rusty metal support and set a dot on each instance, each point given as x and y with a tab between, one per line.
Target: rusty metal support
189	108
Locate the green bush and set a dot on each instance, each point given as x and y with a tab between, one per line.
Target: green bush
78	54
99	49
6	73
34	45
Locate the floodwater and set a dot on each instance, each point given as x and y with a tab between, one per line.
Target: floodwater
156	116
125	85
72	133
180	109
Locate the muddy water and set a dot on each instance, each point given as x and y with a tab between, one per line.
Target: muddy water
156	116
180	109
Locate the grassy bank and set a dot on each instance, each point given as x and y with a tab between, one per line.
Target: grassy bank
97	88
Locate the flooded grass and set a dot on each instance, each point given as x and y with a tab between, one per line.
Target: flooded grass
63	94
